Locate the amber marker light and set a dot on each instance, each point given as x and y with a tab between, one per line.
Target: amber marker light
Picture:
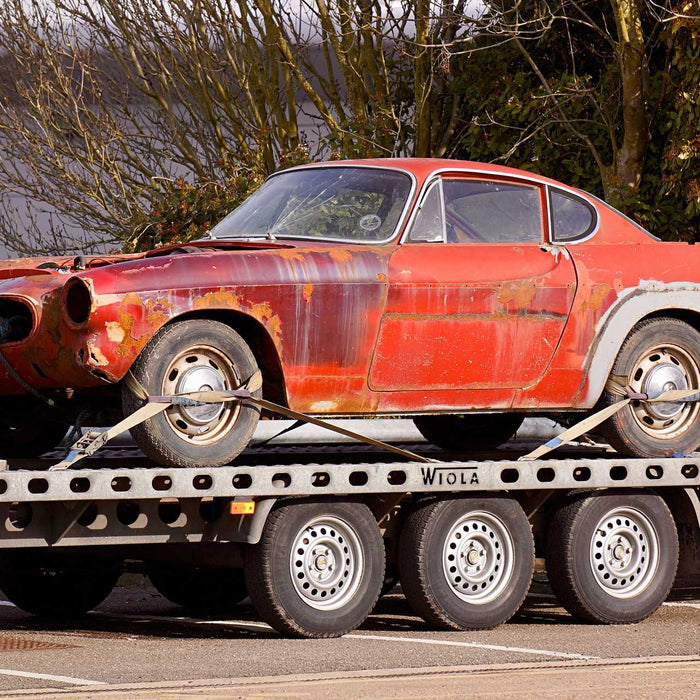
242	507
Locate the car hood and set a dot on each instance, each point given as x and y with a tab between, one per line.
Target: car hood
64	264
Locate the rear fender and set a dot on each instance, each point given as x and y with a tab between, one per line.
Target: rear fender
631	306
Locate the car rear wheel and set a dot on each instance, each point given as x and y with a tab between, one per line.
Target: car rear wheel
466	432
194	355
660	354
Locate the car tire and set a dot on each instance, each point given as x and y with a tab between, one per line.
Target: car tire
467	432
188	356
439	580
215	590
318	569
56	585
658	354
612	556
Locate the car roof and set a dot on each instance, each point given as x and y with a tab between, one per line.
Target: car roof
424	167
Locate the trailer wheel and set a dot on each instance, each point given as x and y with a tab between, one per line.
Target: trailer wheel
188	356
466	563
198	588
466	432
318	569
612	557
55	585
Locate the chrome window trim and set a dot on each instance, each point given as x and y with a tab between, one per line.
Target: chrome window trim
400	224
431	182
477	171
573	195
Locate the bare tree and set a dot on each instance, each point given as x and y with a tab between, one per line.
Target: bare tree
103	106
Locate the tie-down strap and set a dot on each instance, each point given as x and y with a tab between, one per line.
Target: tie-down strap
626	395
90	443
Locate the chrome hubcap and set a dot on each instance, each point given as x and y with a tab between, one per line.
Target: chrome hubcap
477	557
201	378
201	368
664	368
624	552
326	563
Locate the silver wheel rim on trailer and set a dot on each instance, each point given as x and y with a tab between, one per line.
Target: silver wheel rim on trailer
326	563
478	557
624	552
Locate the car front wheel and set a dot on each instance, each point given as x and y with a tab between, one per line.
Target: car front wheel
194	355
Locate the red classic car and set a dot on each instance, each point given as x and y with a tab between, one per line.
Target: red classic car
464	295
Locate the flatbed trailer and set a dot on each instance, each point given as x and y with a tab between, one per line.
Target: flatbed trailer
315	543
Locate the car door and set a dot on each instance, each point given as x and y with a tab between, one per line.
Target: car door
477	299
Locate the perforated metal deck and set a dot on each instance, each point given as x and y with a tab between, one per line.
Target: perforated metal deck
156	505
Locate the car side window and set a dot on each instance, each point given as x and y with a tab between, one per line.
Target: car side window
429	225
572	218
491	212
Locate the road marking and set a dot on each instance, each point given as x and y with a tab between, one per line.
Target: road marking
476	645
683	604
49	677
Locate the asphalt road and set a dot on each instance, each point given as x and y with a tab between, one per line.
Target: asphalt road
138	645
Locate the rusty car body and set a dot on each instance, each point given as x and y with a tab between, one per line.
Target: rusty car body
462	294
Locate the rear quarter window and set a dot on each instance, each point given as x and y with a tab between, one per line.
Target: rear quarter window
572	217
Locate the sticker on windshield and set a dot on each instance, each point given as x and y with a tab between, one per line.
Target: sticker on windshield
370	222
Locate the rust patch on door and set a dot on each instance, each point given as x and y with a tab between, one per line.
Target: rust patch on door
519	293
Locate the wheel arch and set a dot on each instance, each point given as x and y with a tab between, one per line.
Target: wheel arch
258	339
654	300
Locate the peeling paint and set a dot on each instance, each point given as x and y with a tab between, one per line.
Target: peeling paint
115	332
96	358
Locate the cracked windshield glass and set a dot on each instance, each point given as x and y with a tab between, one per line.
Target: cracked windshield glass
344	204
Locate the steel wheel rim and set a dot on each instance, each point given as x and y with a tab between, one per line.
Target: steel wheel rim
624	552
201	368
664	368
326	563
478	557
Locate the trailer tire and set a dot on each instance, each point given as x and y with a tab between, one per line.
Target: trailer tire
466	563
612	556
198	588
468	432
55	585
318	568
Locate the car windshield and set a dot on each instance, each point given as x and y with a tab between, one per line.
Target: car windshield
351	204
